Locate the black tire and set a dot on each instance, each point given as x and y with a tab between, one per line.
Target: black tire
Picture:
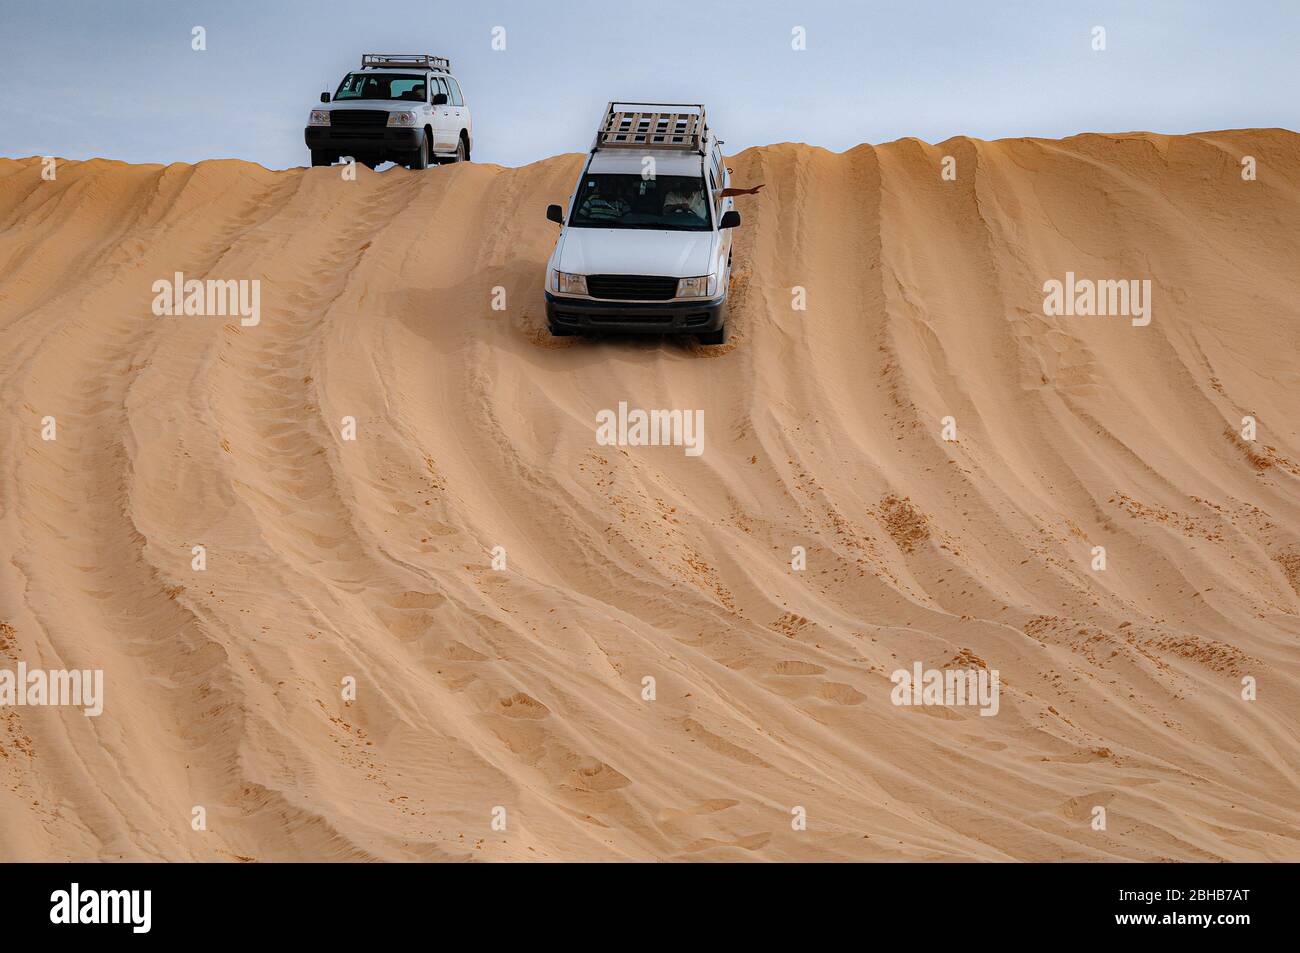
319	158
462	151
713	337
421	159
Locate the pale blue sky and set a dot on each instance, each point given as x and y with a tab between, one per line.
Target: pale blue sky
117	78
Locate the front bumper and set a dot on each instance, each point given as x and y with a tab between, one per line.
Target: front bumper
352	142
651	317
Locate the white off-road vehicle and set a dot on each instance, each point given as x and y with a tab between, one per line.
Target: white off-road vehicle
399	107
646	244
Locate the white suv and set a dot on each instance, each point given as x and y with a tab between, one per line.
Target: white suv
399	107
646	245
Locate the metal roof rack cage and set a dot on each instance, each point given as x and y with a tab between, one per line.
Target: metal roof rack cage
439	64
653	126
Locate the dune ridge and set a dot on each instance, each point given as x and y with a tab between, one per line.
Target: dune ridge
523	689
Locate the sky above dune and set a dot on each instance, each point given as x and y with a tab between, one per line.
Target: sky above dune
121	79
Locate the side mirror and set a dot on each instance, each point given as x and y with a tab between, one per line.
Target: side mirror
555	214
324	97
440	99
730	219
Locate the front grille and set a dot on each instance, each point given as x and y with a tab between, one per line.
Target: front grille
353	118
631	287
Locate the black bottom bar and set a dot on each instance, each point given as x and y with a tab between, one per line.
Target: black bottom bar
914	903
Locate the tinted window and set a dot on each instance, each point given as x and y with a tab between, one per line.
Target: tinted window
440	86
456	99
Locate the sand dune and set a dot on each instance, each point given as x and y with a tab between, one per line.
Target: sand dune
522	689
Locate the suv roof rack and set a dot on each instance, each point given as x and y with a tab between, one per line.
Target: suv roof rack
439	64
653	126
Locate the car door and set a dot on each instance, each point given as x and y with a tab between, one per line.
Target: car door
719	179
459	110
444	123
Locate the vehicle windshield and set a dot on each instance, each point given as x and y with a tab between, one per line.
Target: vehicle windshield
670	202
408	87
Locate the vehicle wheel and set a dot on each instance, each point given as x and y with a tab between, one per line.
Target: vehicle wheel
460	150
559	332
319	158
421	160
714	337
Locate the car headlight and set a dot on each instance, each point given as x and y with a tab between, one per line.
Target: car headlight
401	119
567	284
319	117
700	287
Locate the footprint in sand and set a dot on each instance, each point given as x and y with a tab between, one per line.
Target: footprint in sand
796	667
520	705
598	777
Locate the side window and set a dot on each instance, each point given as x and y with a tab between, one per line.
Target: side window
440	86
456	99
716	191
